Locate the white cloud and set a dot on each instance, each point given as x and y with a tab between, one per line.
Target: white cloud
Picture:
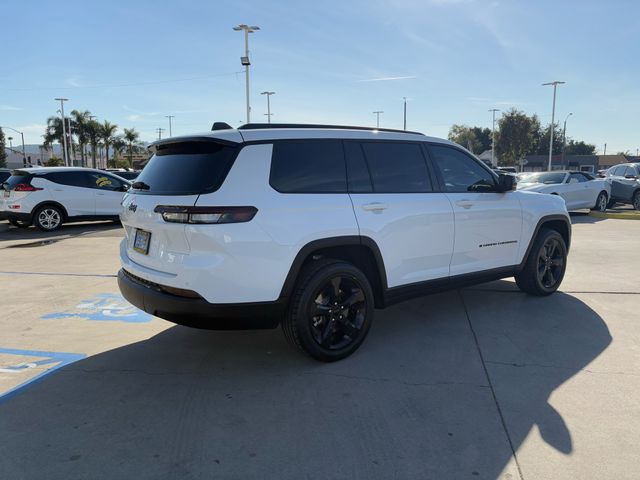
388	79
9	108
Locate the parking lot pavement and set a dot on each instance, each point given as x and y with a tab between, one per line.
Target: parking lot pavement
447	386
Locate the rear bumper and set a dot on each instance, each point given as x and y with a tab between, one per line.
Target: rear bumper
197	312
20	216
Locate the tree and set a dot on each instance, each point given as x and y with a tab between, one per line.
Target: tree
118	145
79	122
3	154
516	136
579	148
108	132
53	133
131	137
541	140
474	139
93	135
483	136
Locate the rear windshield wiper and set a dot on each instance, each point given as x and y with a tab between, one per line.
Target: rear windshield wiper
140	186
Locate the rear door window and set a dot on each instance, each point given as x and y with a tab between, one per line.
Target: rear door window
187	168
309	166
101	181
72	179
397	167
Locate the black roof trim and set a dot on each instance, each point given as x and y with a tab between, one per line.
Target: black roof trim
221	126
264	126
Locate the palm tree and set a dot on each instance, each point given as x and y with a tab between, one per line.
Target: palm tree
118	145
131	137
79	128
108	132
93	135
53	132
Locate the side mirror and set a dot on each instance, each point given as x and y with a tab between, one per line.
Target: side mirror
506	183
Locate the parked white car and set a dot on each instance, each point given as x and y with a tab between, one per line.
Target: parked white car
51	196
578	189
314	227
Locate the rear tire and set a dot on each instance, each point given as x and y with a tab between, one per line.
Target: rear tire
331	310
19	223
602	202
48	218
545	266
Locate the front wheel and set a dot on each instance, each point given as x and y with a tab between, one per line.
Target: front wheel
545	266
601	202
331	310
636	200
48	218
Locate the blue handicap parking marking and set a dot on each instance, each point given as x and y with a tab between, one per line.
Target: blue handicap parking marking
55	359
106	307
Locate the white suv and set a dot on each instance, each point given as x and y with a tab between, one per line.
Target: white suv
315	226
51	196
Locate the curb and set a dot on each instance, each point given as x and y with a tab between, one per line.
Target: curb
632	215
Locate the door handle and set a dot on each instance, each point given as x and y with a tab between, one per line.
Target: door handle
375	206
99	193
464	203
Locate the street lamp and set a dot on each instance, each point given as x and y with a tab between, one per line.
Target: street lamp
377	113
405	112
170	117
493	137
268	114
65	154
24	156
245	60
553	114
564	137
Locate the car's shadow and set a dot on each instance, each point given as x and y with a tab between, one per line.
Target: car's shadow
413	402
103	228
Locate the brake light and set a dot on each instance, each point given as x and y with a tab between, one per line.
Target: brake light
205	215
25	187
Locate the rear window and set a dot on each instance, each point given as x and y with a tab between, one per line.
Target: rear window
187	168
4	176
17	177
308	167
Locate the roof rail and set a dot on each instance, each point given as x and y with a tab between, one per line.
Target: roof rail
262	126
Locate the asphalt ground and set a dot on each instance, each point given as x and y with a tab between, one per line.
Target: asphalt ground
484	382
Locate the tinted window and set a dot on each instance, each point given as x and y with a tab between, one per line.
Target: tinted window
460	172
4	176
308	167
16	178
577	178
619	170
73	179
357	170
630	170
103	181
187	168
397	167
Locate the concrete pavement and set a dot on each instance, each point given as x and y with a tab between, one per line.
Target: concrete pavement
480	383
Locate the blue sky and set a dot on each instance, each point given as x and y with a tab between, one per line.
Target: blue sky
133	62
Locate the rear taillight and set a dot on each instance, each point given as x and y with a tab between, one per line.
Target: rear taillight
205	215
25	187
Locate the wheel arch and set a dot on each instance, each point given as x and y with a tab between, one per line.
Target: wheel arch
559	223
361	252
45	203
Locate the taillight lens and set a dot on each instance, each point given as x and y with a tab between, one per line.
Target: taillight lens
205	215
25	187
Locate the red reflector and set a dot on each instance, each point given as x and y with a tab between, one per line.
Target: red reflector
25	187
14	207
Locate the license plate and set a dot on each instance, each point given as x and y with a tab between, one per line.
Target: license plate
141	241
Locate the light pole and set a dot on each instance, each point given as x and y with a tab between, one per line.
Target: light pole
268	114
65	154
245	60
24	156
377	113
555	84
405	112
159	130
170	117
493	137
564	137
